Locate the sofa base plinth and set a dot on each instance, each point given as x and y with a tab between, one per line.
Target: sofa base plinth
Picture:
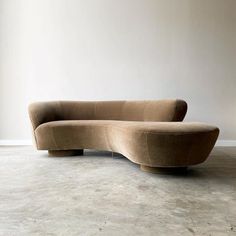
164	170
65	153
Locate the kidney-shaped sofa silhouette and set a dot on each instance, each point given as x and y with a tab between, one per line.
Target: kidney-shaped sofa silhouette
149	133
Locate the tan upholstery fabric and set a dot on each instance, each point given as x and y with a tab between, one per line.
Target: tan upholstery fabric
163	110
146	132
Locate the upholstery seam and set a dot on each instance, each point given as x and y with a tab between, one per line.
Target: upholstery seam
122	112
147	148
95	109
144	109
60	108
53	138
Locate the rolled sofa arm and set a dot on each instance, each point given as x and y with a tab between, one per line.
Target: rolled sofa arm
42	112
181	108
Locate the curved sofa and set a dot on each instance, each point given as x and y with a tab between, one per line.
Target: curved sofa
149	133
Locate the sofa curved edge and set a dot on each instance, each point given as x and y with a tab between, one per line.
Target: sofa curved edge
181	108
156	158
42	112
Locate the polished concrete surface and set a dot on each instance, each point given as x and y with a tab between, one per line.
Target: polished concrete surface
97	194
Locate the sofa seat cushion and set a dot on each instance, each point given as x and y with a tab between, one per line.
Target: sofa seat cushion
146	143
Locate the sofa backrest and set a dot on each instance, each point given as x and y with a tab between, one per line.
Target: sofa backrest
152	110
159	110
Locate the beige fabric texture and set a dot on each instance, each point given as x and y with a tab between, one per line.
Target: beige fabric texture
148	133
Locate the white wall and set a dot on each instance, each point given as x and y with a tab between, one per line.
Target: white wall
126	49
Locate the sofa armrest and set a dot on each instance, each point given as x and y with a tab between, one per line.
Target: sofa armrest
181	108
42	112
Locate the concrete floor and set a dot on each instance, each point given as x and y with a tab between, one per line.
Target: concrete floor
99	195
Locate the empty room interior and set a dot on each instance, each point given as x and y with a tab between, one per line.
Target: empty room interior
118	118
